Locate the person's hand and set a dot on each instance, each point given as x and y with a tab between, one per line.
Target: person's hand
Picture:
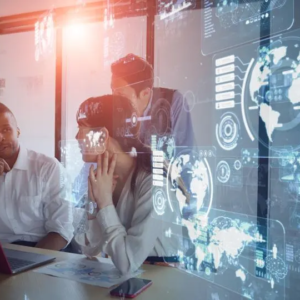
4	167
103	183
91	196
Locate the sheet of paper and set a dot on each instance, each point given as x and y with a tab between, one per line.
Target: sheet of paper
100	272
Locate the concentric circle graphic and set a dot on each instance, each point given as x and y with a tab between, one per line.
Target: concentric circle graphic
223	171
159	202
228	131
237	165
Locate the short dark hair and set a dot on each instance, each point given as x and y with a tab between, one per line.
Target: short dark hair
135	70
5	109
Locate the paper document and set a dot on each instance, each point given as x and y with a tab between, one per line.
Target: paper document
99	272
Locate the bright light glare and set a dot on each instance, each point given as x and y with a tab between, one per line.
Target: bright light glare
75	31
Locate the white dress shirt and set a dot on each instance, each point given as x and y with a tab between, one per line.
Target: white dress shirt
33	199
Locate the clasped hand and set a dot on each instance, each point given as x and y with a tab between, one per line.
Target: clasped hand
102	184
4	167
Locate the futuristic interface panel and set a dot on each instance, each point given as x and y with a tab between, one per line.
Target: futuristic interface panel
257	94
226	23
233	204
228	248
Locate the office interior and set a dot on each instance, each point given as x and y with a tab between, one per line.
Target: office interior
237	65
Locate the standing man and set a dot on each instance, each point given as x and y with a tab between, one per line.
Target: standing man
34	208
160	110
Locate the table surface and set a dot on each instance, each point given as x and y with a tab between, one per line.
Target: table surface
168	283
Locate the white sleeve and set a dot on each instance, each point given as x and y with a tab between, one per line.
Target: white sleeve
128	250
58	209
90	241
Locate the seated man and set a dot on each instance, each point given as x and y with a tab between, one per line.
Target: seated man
34	209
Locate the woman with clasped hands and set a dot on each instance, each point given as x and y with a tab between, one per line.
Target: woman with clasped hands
121	219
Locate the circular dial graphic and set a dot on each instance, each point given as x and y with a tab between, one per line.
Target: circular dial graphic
223	171
159	202
228	131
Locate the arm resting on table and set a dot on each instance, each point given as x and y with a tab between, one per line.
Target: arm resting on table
52	241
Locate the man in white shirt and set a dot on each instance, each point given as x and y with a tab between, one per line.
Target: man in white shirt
34	208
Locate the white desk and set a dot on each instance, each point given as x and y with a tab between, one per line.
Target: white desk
168	284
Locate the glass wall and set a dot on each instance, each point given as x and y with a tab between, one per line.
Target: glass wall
237	65
88	52
28	89
222	125
232	70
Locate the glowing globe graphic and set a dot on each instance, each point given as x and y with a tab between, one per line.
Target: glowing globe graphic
272	98
190	180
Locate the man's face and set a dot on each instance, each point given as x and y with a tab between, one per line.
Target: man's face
9	133
92	142
120	87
